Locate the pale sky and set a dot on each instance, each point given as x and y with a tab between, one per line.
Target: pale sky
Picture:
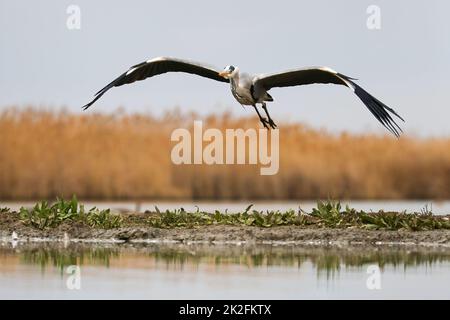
405	64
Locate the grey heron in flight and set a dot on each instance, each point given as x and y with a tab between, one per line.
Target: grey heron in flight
252	90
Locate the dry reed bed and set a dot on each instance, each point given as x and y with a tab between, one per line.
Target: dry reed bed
96	156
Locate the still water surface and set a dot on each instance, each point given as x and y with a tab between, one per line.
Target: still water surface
172	271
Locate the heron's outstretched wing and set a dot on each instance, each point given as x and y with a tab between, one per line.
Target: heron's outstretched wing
326	75
158	66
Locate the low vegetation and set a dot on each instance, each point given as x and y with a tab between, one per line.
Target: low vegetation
43	215
330	214
327	214
181	218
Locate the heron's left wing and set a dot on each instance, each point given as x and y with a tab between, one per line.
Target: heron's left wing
326	75
157	66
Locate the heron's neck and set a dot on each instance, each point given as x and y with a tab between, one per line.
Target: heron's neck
234	80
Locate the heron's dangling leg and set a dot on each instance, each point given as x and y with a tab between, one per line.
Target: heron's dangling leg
262	119
271	123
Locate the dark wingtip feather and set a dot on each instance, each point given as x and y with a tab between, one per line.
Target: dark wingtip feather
86	106
378	109
102	92
97	96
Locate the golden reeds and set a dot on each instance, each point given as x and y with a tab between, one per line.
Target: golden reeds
44	154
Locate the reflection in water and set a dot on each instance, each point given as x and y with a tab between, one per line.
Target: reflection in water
176	271
326	260
62	257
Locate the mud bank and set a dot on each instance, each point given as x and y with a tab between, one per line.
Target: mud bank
134	231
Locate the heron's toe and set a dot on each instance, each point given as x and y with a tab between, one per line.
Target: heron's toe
265	123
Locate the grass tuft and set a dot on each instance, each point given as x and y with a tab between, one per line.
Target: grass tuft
328	214
181	218
43	215
4	210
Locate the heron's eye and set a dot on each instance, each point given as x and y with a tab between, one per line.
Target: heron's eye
231	68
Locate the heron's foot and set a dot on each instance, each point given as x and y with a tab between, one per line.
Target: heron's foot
265	123
272	124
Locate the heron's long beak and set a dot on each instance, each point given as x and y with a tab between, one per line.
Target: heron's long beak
224	74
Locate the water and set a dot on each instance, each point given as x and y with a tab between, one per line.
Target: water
438	207
39	271
172	271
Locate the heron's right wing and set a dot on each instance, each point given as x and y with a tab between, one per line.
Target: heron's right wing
155	67
326	75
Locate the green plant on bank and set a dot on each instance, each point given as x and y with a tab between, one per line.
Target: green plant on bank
43	215
4	210
181	218
103	219
330	214
327	214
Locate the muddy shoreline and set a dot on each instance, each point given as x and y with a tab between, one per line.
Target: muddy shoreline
221	234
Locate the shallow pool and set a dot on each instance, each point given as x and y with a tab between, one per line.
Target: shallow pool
169	271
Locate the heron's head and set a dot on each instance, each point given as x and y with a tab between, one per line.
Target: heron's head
228	72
